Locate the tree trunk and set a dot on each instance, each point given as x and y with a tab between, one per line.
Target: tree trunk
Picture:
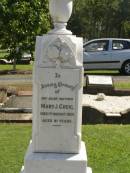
14	64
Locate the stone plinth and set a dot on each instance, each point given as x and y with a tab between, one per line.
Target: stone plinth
56	163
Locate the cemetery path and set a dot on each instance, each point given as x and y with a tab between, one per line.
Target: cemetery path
16	79
28	78
121	78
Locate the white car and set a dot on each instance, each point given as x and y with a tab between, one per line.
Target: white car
5	61
107	53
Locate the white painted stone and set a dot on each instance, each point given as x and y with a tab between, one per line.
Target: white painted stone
99	80
55	163
100	97
57	95
89	170
111	104
113	114
60	11
57	100
65	51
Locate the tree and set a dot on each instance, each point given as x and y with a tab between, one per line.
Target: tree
124	15
20	22
126	28
100	18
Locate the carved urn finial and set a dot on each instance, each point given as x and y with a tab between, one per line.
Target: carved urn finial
60	11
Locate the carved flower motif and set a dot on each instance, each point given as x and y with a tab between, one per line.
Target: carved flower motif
59	52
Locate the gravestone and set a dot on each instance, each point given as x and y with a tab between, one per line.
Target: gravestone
100	80
98	84
56	145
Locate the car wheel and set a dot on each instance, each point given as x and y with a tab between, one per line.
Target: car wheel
126	68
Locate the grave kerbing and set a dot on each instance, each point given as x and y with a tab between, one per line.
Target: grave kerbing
56	145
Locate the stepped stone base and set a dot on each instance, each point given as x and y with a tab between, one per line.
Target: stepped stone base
56	163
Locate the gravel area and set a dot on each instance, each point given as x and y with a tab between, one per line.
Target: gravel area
107	104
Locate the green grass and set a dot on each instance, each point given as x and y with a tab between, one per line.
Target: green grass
18	67
3	54
103	72
122	85
13	143
108	147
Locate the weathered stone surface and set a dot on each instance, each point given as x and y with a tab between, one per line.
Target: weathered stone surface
56	163
19	102
57	100
57	94
111	104
99	80
58	115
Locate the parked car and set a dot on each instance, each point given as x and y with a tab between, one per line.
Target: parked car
5	61
25	59
107	53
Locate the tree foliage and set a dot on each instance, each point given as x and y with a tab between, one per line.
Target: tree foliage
101	18
20	22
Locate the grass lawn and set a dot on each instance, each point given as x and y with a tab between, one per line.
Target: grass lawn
13	143
102	72
107	146
18	67
3	54
122	85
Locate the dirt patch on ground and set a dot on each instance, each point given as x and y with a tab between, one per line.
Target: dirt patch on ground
15	117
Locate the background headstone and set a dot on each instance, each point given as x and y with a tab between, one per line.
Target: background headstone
99	80
98	84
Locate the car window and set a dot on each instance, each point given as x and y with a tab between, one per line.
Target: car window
97	46
127	44
120	45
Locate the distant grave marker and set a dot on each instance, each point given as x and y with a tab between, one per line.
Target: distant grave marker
98	84
100	80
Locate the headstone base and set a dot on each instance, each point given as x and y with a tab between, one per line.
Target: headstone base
56	163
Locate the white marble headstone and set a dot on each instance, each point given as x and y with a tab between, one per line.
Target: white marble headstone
57	96
57	100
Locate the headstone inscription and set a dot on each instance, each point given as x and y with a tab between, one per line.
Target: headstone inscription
56	145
